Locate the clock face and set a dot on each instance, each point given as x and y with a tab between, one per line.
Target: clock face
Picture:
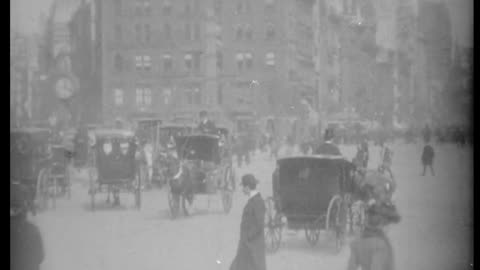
64	88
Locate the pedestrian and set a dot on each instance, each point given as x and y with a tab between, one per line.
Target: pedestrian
26	245
251	247
428	156
373	251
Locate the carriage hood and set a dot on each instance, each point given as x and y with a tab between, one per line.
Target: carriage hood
198	147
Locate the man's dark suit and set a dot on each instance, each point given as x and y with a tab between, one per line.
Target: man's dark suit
251	249
327	149
207	127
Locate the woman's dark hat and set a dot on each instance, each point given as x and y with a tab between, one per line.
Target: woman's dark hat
250	181
328	134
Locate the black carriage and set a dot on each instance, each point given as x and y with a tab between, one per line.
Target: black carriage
309	193
200	171
40	167
116	167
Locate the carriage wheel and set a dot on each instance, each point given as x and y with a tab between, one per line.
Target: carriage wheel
42	190
173	203
273	224
336	220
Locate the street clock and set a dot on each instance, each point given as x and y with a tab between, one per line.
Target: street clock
64	88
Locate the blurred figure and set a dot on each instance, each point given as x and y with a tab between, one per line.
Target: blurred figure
251	247
373	250
386	158
26	245
327	147
206	126
428	156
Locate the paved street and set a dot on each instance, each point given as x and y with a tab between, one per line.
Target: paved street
435	231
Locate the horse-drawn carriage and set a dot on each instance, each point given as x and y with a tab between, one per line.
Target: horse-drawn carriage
40	167
309	193
200	171
116	166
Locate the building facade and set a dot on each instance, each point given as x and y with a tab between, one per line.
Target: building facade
167	57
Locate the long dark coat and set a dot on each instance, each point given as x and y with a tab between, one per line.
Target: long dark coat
372	251
26	246
327	149
251	249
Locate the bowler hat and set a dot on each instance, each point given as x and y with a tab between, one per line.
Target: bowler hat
250	181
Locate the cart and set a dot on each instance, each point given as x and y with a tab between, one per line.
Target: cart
309	193
116	167
200	172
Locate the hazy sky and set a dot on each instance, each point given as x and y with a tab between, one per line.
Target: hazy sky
25	13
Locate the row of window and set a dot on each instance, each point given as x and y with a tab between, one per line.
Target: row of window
191	61
144	98
143	32
144	7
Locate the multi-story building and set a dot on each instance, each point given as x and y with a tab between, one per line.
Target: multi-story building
86	61
162	57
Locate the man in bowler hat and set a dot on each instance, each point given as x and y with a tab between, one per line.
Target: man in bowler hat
206	126
251	247
327	147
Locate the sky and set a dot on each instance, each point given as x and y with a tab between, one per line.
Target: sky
25	14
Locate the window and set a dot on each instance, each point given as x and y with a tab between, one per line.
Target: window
167	7
167	93
138	32
196	32
188	61
249	60
188	32
139	96
147	7
270	59
239	59
118	63
187	8
138	63
248	32
147	33
248	7
239	33
218	6
270	31
139	8
147	63
118	7
196	61
239	6
147	96
143	96
219	60
167	62
167	31
118	97
118	33
197	96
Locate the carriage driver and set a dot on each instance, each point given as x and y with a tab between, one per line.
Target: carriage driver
206	125
328	147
